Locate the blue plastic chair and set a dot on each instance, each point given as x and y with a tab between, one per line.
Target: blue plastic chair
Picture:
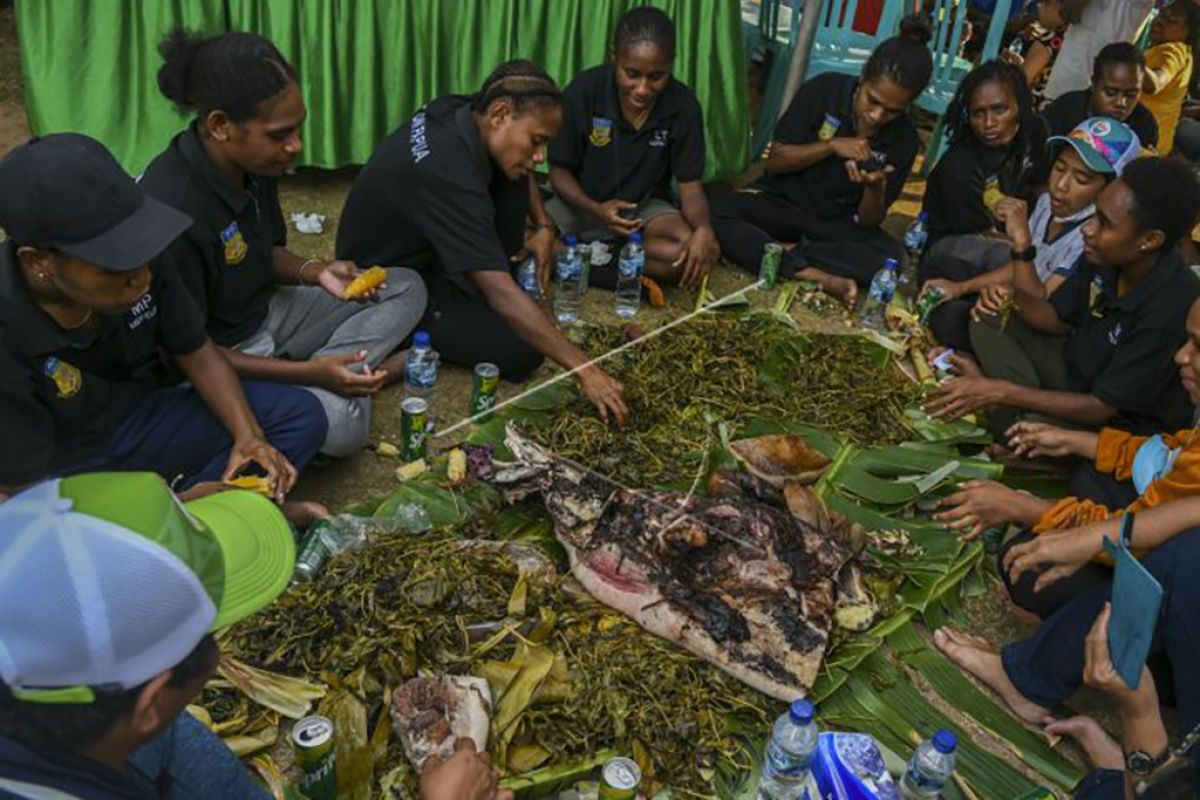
838	47
949	23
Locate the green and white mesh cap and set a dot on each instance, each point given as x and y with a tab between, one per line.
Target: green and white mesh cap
107	580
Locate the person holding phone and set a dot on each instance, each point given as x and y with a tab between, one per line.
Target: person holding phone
838	160
629	129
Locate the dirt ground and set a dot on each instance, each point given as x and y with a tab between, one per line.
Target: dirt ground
354	479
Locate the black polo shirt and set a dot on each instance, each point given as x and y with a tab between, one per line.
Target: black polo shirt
824	189
431	199
64	393
612	159
226	259
1069	110
24	770
954	190
1122	348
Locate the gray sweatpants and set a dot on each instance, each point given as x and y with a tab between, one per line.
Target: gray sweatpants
305	321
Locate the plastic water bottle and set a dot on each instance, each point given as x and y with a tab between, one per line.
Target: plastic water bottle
883	287
930	767
629	276
789	757
420	367
527	278
914	244
568	282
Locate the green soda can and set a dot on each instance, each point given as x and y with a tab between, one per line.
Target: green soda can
927	302
768	268
312	739
483	393
414	417
620	779
314	552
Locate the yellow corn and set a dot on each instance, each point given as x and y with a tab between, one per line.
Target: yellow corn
365	282
251	483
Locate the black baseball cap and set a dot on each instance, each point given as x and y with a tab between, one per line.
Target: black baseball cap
66	191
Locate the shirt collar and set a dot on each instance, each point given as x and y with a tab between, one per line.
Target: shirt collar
193	152
36	332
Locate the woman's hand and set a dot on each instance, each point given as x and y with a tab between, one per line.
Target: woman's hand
850	148
281	475
1055	554
991	301
878	178
466	775
605	393
958	397
697	256
610	212
337	275
1099	672
951	290
1039	440
979	505
541	243
333	373
1014	213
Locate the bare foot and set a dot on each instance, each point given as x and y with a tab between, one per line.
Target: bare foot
1100	748
981	658
843	289
302	513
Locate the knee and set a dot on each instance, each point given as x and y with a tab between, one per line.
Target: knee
518	361
349	424
292	419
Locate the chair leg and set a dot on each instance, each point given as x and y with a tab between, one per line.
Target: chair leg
937	142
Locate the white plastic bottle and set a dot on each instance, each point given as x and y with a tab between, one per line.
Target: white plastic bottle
420	367
788	761
568	277
629	276
930	767
883	286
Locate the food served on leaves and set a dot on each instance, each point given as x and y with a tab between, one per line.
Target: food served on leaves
432	714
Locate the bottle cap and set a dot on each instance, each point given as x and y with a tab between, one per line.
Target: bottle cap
569	240
944	742
923	216
421	339
891	263
636	237
801	712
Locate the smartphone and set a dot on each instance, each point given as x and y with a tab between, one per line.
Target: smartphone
876	163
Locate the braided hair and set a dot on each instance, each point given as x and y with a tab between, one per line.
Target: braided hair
522	82
645	24
232	72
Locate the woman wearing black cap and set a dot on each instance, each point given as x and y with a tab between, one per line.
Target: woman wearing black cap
279	316
838	160
451	193
629	128
84	321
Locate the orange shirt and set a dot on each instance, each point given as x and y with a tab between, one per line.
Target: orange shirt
1114	455
1175	59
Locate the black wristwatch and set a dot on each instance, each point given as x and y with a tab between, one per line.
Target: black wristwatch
1141	764
1028	254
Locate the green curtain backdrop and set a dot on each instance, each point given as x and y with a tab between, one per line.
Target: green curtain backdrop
364	65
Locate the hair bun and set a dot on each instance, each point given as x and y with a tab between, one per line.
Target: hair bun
916	28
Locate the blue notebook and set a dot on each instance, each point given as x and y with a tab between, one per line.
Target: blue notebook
1136	599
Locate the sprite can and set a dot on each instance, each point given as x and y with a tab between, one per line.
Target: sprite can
314	552
312	738
620	779
768	269
927	302
483	393
414	417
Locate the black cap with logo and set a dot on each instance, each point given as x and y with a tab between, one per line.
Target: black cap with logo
66	191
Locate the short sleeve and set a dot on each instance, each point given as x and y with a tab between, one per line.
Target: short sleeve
26	425
458	218
954	194
1145	126
1068	298
566	149
181	326
901	158
1135	380
1172	58
802	120
279	231
687	147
